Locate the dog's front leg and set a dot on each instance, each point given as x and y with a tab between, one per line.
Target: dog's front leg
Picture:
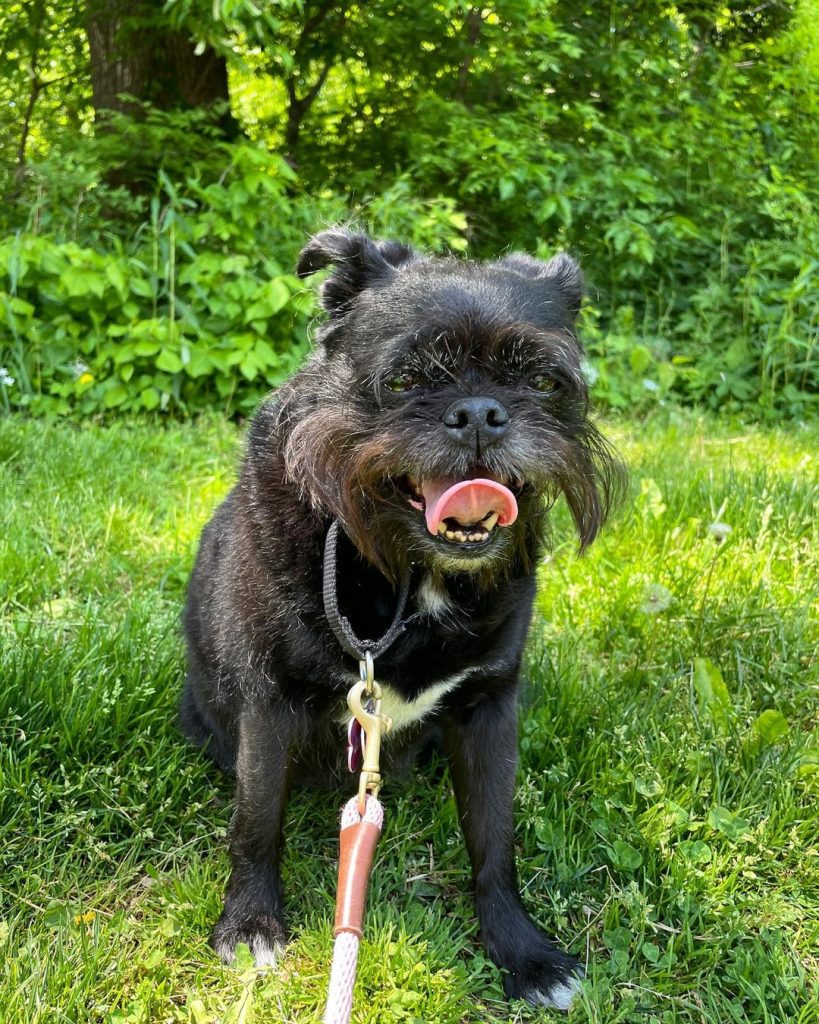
253	905
481	746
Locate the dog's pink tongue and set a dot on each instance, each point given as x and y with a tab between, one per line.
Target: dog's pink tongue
468	501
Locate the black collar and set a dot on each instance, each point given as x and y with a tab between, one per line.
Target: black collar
340	626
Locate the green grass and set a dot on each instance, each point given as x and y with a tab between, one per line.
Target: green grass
667	833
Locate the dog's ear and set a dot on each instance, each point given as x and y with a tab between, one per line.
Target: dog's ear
360	262
561	270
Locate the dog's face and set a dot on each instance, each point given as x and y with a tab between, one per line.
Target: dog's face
446	405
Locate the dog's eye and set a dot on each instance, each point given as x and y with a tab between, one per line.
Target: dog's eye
545	384
401	382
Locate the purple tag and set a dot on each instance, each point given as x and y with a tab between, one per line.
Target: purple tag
355	745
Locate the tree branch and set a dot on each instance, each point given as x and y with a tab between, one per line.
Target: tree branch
37	87
298	106
474	22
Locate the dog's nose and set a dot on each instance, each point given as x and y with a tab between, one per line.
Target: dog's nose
470	420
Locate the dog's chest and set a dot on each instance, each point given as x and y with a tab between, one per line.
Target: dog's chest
432	598
433	601
438	653
405	711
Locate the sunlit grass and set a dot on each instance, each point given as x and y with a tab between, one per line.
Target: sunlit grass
668	836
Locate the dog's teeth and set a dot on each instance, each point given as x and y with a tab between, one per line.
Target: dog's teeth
465	535
490	521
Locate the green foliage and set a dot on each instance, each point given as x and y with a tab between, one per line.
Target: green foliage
687	193
198	310
672	148
712	692
173	323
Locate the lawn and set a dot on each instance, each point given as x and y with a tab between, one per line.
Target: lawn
668	823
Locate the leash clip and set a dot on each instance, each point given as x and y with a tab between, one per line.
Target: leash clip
364	701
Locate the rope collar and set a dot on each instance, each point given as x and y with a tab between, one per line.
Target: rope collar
340	625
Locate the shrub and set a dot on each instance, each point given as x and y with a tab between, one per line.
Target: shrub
198	310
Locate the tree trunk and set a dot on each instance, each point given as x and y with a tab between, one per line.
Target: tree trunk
134	51
297	108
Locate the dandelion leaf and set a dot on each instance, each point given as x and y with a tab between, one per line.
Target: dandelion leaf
712	692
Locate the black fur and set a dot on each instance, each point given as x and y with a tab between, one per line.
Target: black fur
267	679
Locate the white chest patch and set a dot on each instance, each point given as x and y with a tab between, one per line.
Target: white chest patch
406	712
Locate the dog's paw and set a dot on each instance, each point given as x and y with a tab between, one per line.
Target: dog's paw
263	936
558	996
549	979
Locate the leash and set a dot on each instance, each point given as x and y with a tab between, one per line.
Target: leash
362	816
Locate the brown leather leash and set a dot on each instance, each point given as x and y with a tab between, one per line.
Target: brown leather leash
362	817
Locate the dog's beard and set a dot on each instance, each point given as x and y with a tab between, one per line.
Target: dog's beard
369	473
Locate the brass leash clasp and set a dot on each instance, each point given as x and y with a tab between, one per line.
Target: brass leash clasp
364	701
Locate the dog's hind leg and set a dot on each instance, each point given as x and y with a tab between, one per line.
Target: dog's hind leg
481	745
203	730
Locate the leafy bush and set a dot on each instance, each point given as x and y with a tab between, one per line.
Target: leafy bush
757	331
676	159
199	310
748	335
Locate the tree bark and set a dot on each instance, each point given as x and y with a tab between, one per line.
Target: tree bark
134	51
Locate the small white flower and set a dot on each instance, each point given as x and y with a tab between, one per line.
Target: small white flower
6	378
78	368
656	598
719	531
651	385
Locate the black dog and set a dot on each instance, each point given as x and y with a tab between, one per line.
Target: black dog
443	410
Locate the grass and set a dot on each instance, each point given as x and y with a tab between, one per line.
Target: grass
668	791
